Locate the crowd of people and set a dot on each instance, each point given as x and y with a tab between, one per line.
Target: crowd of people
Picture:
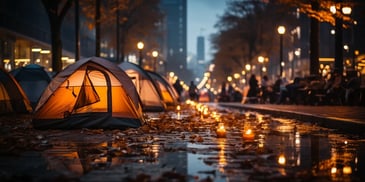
333	89
192	93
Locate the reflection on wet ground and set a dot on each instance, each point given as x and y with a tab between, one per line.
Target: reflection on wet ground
188	145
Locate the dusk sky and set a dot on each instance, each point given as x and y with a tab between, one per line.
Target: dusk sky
202	16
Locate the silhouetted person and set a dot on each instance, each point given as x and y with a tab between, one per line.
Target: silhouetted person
223	96
265	88
178	88
253	90
193	91
335	89
352	89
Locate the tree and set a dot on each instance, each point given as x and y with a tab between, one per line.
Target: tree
56	11
97	20
139	21
319	11
134	20
245	32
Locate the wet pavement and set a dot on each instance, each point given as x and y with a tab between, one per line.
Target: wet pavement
346	118
184	146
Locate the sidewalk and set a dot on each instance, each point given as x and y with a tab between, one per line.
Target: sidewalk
344	118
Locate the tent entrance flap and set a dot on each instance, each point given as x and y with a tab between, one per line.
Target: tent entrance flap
87	94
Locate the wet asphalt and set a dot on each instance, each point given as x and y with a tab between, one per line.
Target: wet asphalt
350	119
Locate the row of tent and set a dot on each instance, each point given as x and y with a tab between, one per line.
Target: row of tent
90	93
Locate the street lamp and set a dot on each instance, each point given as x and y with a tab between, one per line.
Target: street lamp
345	10
140	46
154	55
281	31
261	60
245	78
248	67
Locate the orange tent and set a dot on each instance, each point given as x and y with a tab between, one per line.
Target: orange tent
147	89
91	93
12	96
168	92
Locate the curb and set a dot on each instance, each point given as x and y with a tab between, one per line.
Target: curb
340	124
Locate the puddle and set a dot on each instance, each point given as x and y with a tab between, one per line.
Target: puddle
255	148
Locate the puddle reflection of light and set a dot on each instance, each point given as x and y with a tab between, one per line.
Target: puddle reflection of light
285	128
222	162
341	158
178	117
155	150
260	118
297	139
178	109
261	141
297	147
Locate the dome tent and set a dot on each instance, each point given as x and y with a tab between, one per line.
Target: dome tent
148	91
168	92
12	96
33	79
91	93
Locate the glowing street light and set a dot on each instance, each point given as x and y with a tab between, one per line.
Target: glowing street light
345	10
140	46
154	55
281	31
261	60
248	67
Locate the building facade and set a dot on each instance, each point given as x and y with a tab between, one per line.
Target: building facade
175	23
25	36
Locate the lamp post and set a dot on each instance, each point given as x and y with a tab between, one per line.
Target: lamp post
261	60
140	46
248	67
244	80
281	31
154	55
345	10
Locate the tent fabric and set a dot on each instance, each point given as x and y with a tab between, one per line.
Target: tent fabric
12	96
87	94
148	91
168	92
91	93
33	79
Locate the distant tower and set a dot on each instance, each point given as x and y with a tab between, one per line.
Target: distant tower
200	49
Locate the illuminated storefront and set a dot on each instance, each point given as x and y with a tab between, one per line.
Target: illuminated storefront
17	51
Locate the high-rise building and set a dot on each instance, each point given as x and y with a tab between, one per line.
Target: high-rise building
200	52
200	63
175	28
